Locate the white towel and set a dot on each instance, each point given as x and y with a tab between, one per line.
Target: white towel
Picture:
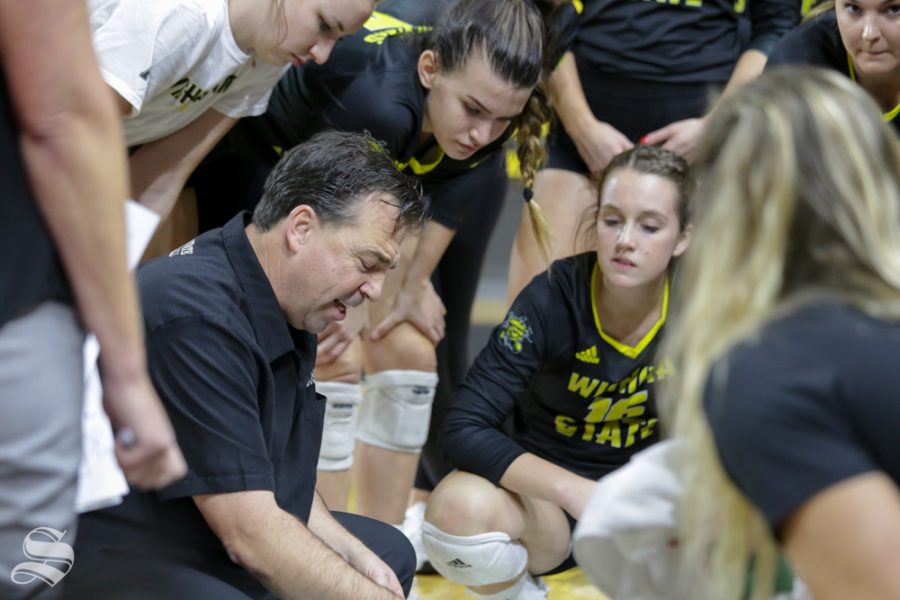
626	538
101	482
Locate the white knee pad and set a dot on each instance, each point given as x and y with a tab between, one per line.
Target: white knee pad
474	560
342	400
396	411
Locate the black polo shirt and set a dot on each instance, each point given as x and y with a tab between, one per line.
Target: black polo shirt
237	382
30	271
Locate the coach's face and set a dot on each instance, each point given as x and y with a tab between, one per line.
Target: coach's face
333	267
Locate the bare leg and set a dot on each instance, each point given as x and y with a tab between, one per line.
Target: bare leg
464	504
334	486
384	476
564	196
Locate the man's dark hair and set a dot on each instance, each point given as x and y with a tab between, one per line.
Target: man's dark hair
333	172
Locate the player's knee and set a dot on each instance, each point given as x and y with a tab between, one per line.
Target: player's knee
404	347
346	368
463	503
396	412
338	434
474	560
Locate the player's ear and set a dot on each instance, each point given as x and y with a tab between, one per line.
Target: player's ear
427	68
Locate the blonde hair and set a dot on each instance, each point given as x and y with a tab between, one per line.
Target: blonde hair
798	200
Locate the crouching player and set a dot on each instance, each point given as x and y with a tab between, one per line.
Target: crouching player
563	393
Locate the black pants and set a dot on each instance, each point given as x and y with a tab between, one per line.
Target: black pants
140	576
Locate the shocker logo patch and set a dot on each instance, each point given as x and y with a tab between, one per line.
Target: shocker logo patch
514	333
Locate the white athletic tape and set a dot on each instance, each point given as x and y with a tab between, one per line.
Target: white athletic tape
338	436
474	560
626	539
396	410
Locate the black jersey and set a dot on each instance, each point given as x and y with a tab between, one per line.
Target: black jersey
679	41
820	386
818	42
369	84
577	397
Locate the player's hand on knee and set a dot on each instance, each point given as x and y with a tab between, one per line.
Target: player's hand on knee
146	447
339	335
420	305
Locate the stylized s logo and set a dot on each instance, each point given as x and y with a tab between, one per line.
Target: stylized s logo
50	559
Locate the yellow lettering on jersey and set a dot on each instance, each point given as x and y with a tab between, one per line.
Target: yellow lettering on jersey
647	429
632	430
579	7
384	26
588	432
610	434
566	425
740	6
628	408
597	410
694	3
582	385
380	20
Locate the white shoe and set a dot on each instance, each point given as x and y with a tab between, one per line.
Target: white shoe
412	529
533	589
527	588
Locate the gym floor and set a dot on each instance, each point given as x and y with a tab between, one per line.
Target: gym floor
569	585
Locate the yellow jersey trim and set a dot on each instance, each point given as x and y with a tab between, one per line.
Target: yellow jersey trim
629	351
888	116
418	168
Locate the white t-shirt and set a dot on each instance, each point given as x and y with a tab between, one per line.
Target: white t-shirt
174	59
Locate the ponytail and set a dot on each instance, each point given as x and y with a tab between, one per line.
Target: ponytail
532	153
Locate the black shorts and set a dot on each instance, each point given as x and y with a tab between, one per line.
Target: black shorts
634	107
570	560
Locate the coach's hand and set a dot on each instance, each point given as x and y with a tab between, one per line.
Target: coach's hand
368	563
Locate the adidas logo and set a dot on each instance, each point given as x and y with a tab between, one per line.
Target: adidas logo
458	564
588	356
